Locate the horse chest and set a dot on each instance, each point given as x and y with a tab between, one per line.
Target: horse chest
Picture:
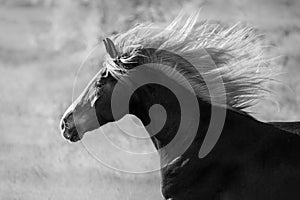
187	179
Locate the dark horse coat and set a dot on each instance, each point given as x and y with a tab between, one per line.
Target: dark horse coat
251	160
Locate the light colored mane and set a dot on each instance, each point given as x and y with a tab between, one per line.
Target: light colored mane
237	53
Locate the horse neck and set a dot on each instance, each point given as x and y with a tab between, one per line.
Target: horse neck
240	129
155	94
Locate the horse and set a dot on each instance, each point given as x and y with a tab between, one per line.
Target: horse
247	159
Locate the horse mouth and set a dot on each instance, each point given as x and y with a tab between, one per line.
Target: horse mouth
74	138
71	135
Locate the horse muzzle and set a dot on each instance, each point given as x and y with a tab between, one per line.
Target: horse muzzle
68	128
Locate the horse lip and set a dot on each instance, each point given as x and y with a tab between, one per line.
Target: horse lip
75	138
71	135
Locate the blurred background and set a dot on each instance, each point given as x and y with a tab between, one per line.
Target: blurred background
43	42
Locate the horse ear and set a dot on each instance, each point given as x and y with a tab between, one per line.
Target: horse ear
110	48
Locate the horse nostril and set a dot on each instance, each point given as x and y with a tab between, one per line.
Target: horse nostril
62	125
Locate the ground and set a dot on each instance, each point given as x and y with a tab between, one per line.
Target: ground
42	44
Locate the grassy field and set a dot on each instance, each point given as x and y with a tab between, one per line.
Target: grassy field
42	44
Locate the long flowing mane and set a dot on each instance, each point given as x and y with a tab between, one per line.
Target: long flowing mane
237	52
